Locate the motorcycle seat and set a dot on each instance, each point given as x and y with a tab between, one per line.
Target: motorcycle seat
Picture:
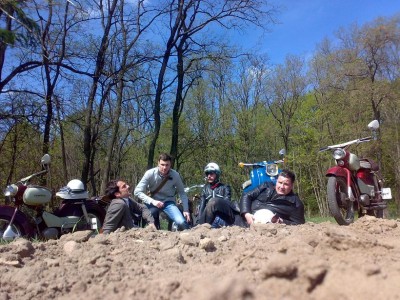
366	163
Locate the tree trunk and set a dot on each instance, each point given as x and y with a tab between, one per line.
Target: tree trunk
88	144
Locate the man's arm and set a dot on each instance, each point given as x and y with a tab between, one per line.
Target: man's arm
141	188
180	188
114	215
142	209
227	192
297	215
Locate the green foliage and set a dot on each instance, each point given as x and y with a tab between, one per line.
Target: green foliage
26	30
7	36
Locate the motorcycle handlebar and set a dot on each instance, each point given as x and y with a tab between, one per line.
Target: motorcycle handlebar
260	164
346	144
33	175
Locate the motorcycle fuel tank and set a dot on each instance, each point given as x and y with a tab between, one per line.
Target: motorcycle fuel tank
36	195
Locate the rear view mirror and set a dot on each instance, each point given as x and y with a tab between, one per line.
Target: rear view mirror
46	159
374	125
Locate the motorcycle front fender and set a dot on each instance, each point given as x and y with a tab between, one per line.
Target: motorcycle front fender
337	172
352	188
20	219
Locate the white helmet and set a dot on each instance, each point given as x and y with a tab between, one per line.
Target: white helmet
212	168
263	216
76	185
75	190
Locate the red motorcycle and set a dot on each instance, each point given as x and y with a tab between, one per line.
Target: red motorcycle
353	184
28	216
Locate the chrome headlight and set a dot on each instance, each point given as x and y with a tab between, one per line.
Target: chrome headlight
272	169
11	190
339	153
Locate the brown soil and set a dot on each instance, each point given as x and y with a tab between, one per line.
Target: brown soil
311	261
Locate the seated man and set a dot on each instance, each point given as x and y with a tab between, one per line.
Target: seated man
286	207
122	209
216	207
158	188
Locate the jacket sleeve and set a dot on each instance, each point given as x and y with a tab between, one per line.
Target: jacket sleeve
141	209
227	192
247	199
297	215
180	188
115	213
141	188
203	200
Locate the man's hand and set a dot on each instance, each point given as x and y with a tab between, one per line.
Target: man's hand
249	218
187	216
157	203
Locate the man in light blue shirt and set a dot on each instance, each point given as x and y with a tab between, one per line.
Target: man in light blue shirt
164	198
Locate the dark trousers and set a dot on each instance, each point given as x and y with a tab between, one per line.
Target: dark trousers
155	211
217	207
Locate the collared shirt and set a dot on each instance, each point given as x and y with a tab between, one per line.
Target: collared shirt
152	179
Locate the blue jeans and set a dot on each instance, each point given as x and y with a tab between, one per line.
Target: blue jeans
173	213
218	223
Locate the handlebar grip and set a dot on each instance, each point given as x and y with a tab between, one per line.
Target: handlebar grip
366	139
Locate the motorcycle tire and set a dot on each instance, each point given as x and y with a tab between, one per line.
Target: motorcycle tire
340	206
16	227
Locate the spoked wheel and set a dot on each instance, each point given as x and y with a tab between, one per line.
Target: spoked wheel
17	230
84	225
339	204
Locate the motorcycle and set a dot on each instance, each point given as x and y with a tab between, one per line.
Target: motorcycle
28	217
194	205
353	184
260	172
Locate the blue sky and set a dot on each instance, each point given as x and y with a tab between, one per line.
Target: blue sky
304	23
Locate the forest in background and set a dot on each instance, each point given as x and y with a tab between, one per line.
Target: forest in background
105	86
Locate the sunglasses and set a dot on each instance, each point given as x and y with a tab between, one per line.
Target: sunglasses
208	173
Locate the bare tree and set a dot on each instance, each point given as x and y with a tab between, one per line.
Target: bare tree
187	19
287	86
123	44
90	125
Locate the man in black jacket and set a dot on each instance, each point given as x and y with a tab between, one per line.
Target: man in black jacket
286	206
123	210
216	207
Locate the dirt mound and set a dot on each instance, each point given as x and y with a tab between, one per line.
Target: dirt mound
311	261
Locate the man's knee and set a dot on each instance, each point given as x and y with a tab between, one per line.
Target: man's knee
212	203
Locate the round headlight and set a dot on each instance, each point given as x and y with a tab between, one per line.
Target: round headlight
339	153
272	169
11	190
